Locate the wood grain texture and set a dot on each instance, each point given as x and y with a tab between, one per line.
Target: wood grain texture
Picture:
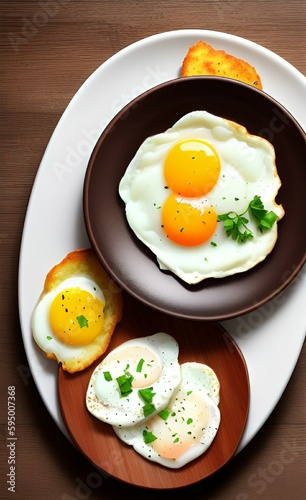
44	61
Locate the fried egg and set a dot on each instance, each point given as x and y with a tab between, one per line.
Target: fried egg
69	317
77	312
185	429
180	181
134	381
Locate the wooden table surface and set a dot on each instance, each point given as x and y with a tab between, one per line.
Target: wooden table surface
45	58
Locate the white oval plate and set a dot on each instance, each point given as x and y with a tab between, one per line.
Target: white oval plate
271	337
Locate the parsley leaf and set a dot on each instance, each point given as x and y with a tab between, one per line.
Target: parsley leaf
235	225
265	219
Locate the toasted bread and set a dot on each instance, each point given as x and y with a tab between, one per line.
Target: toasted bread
203	59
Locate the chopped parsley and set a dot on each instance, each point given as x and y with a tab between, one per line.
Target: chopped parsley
235	225
82	321
49	337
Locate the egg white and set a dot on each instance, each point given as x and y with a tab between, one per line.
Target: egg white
247	169
199	386
103	396
42	331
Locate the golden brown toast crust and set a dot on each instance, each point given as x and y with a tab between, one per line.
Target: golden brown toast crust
83	262
203	59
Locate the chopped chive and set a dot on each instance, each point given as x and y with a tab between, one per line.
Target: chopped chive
107	376
148	436
139	366
147	394
148	408
164	414
82	321
125	384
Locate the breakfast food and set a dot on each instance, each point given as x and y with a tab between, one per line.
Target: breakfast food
188	425
203	59
168	412
77	312
201	196
134	381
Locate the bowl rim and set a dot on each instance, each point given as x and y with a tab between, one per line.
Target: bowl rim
121	115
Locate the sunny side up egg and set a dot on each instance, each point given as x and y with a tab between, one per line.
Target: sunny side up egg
69	318
134	381
186	427
180	181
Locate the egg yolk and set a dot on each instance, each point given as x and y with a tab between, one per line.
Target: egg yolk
186	224
192	168
184	427
143	364
76	316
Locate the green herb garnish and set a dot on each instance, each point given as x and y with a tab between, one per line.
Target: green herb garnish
164	414
125	383
148	436
148	408
82	321
49	337
189	421
140	365
147	394
107	376
235	225
265	219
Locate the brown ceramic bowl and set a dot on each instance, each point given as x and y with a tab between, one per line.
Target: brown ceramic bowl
130	263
